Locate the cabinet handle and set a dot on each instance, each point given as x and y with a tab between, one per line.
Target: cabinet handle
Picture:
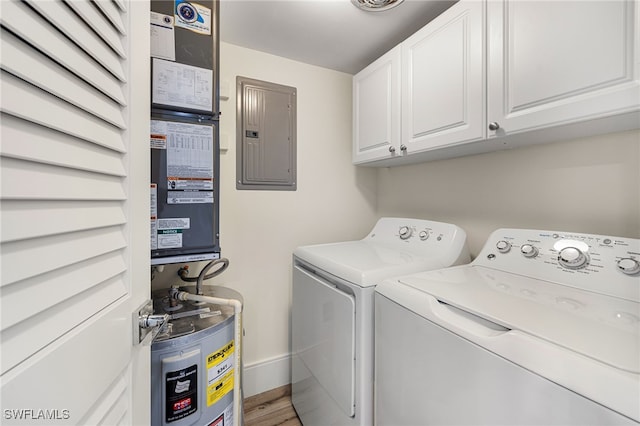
494	126
403	147
392	149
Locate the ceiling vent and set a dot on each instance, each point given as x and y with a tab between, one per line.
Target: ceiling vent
376	5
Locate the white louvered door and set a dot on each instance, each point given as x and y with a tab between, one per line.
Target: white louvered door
74	164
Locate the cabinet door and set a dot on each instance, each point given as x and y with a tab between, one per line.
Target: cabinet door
443	80
559	62
376	109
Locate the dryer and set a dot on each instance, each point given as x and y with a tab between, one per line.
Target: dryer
541	328
332	312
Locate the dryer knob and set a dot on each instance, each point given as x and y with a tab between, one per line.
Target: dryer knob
529	250
405	232
572	258
629	266
503	246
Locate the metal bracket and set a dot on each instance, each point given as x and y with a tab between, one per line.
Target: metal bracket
146	325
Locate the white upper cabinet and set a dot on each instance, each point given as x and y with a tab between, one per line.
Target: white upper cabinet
443	80
376	109
559	62
496	74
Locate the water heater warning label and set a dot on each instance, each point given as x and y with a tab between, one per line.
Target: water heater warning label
181	390
220	373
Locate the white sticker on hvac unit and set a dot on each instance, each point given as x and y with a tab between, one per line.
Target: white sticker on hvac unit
157	141
193	16
170	232
163	39
190	197
182	85
190	150
174	223
169	238
154	216
154	235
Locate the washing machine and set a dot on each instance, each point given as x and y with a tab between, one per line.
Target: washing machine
542	328
332	312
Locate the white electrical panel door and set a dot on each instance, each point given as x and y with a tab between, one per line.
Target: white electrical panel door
75	203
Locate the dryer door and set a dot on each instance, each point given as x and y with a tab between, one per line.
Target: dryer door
323	341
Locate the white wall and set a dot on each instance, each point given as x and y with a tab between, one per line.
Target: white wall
260	229
589	185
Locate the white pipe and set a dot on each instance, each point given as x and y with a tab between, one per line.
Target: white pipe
237	309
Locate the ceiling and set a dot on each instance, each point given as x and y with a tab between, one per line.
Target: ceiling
332	34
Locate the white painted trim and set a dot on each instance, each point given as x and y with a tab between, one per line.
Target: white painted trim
266	375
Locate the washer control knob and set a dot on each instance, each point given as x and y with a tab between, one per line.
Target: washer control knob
572	258
529	250
629	266
503	246
405	232
424	235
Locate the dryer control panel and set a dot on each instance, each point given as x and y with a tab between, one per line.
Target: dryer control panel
599	263
422	237
414	231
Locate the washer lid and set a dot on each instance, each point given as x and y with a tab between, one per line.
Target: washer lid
365	263
601	327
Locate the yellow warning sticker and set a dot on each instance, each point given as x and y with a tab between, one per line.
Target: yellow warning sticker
216	391
224	352
220	374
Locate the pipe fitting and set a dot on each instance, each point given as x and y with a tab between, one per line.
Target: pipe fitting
173	293
183	272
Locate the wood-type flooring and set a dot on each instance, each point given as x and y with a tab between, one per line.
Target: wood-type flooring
271	408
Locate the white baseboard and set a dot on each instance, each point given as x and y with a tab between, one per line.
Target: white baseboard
266	375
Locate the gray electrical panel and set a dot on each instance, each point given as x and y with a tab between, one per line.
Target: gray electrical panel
266	136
